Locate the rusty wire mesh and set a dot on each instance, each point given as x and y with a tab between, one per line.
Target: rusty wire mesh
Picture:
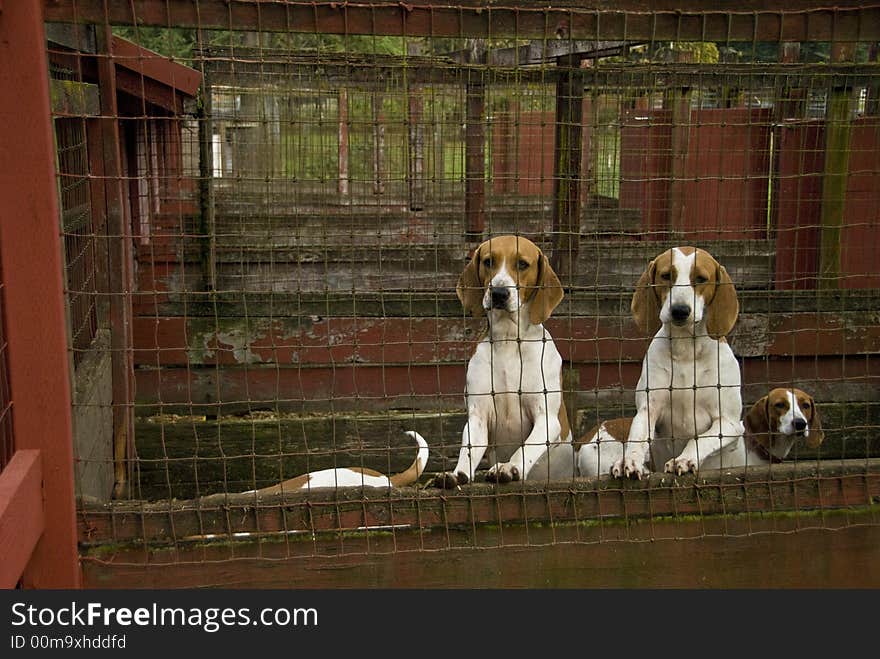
295	207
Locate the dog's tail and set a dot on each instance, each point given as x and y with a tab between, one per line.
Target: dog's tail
411	475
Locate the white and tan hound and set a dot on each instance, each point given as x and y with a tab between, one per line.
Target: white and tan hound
514	378
601	447
688	395
353	476
772	426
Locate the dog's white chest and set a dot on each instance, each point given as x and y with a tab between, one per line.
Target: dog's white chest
507	383
688	379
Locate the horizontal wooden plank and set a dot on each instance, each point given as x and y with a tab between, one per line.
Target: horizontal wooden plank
22	517
750	21
185	457
188	301
785	487
234	389
176	341
836	549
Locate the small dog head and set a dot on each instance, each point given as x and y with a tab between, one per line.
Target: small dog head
506	273
685	286
780	417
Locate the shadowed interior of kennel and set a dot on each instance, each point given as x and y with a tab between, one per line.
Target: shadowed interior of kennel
280	224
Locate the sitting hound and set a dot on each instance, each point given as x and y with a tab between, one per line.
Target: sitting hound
513	386
688	402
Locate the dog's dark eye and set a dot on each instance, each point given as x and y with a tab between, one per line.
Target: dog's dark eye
806	406
700	279
665	276
522	265
487	263
781	405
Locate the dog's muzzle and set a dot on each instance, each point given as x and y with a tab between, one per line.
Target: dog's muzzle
799	426
499	296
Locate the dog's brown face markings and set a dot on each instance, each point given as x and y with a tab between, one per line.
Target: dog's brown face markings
763	420
707	277
527	266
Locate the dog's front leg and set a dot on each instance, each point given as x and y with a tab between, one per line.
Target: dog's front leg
474	442
720	434
636	452
545	431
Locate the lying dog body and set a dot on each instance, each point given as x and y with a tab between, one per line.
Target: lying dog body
513	385
772	427
353	476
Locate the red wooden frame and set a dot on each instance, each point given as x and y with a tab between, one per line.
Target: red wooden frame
30	247
22	520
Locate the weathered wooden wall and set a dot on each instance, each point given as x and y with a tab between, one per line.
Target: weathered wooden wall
582	533
706	553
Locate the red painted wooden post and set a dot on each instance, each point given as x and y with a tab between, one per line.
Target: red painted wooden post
30	244
475	161
120	265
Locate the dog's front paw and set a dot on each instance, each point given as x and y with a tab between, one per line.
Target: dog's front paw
679	466
502	473
448	481
629	468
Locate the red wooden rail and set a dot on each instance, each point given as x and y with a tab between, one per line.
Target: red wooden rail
30	250
22	519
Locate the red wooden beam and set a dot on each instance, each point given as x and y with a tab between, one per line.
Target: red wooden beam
119	264
679	20
475	161
22	519
30	247
150	64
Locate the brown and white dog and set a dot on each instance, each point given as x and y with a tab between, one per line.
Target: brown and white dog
353	476
513	386
688	395
602	446
772	426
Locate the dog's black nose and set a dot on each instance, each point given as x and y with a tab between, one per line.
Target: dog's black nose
680	312
799	425
500	296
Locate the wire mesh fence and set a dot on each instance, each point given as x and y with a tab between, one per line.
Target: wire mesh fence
268	208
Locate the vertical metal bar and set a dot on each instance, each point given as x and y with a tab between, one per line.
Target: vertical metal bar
343	187
378	144
567	169
208	241
872	102
416	149
120	265
30	250
475	160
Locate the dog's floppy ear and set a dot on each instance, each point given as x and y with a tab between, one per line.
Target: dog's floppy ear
816	435
469	288
548	293
757	422
724	308
645	304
